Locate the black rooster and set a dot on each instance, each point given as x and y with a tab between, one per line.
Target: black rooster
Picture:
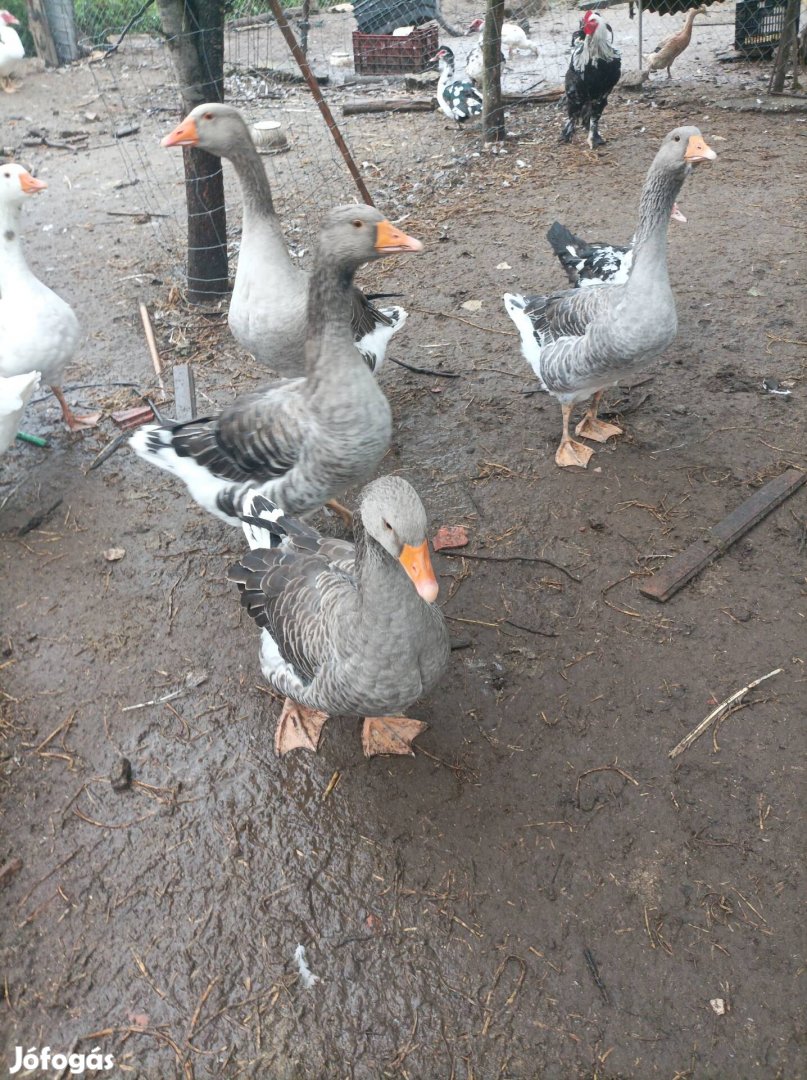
593	72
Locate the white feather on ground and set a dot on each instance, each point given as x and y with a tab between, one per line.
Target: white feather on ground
307	978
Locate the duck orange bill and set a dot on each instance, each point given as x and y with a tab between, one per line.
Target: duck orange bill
30	185
697	150
418	565
389	239
184	135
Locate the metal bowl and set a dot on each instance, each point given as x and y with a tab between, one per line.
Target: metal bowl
269	136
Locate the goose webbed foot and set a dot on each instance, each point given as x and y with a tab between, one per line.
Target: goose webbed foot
390	735
572	453
595	139
597	430
592	428
9	85
341	511
567	132
298	727
75	423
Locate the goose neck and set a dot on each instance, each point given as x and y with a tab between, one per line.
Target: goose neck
13	266
650	247
255	189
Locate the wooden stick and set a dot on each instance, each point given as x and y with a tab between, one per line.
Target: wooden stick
696	733
720	537
152	344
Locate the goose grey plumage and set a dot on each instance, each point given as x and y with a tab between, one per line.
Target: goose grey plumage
267	313
300	441
580	341
343	630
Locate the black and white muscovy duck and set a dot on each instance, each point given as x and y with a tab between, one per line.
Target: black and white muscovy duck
459	99
594	263
594	71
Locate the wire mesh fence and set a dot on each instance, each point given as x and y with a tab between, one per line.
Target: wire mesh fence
403	157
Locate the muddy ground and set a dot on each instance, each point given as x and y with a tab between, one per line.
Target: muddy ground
540	891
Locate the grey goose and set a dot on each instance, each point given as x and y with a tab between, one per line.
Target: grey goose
267	313
580	341
299	441
346	629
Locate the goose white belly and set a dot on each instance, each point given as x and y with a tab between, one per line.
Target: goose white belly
268	318
38	332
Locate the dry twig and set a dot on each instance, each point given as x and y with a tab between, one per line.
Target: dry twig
718	711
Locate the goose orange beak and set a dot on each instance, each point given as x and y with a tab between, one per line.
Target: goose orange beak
418	565
388	240
30	185
184	135
698	151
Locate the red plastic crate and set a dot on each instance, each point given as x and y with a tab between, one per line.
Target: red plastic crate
385	54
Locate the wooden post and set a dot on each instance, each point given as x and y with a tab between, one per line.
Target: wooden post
493	111
40	31
788	46
194	31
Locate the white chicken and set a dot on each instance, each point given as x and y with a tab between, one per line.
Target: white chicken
513	37
11	50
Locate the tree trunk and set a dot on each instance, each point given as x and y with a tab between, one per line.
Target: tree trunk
493	113
194	31
786	49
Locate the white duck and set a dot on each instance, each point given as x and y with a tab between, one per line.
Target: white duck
513	37
11	50
15	393
38	330
270	295
580	341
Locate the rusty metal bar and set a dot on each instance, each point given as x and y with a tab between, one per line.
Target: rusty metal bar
322	104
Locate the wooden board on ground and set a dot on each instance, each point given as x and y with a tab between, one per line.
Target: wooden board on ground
184	393
721	536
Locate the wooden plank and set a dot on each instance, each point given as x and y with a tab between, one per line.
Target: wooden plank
184	393
720	537
356	106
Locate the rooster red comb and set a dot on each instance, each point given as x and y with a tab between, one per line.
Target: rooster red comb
591	20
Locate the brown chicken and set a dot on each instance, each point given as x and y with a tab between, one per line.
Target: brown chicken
673	46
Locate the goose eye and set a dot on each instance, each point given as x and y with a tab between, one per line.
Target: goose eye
677	138
386	525
208	116
358	224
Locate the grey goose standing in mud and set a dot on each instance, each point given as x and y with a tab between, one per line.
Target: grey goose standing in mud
267	313
580	341
298	441
346	629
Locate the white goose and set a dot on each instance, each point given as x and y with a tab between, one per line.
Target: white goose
15	393
11	50
580	341
270	295
38	330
